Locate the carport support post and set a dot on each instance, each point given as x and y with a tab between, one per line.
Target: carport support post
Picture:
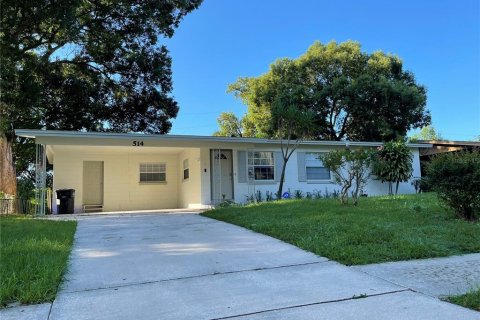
40	179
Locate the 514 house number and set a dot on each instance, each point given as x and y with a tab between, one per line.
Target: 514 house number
137	143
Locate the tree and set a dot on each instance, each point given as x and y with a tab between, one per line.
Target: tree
229	125
393	164
350	168
455	177
426	133
354	95
292	126
86	65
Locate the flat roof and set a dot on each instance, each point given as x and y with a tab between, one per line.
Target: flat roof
54	135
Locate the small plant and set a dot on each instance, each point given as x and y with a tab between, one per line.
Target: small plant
226	204
269	196
298	194
417	183
327	194
250	198
317	194
456	179
335	194
258	196
308	195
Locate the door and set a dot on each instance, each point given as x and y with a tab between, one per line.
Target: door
221	175
93	183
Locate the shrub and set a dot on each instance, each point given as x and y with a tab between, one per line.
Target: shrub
351	169
393	164
269	196
456	179
298	194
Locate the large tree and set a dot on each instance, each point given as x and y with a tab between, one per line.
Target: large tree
426	133
229	125
354	95
92	65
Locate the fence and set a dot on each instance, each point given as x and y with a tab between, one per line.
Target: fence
23	205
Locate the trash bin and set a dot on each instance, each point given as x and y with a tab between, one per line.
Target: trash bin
67	201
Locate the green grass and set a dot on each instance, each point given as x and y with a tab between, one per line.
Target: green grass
33	258
380	229
469	300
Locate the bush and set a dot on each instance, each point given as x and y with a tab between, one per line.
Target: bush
456	179
393	164
351	169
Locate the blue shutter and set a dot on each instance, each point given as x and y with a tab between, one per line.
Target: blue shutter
242	166
277	157
302	173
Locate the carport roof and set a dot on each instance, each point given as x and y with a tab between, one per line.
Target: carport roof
104	138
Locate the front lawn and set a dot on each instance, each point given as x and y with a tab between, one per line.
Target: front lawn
469	300
380	229
33	258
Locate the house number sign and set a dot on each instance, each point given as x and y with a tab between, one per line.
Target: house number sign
137	143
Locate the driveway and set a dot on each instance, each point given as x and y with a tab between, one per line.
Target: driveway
184	266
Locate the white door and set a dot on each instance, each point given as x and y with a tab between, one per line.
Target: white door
92	182
221	175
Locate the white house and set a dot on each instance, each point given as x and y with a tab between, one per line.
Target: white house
119	172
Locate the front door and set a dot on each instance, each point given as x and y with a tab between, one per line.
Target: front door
221	175
92	182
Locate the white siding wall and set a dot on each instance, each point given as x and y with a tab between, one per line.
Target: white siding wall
242	190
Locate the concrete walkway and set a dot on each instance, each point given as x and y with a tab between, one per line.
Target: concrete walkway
184	266
437	277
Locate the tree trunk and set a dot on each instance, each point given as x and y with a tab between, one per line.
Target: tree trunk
8	178
282	178
396	187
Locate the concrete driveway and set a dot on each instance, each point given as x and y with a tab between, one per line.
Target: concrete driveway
184	266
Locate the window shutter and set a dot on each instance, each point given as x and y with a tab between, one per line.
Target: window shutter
242	166
277	157
302	173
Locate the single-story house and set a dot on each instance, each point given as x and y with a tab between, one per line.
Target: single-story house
117	172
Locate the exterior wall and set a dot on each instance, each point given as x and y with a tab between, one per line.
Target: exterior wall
122	190
189	195
242	190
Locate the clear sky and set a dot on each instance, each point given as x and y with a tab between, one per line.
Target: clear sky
439	40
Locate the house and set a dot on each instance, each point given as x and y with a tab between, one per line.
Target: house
443	146
117	172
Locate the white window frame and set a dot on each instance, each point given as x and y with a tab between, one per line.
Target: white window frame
186	167
307	166
151	167
251	165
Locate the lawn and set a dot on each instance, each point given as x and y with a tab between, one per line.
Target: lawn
380	229
33	258
469	300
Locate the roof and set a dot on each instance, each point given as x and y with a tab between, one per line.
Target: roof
443	146
451	143
103	138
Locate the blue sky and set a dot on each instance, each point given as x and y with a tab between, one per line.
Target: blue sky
224	39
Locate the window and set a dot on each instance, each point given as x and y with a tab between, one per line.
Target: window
261	166
186	170
153	172
314	167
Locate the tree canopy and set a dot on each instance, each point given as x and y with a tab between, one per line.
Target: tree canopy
87	65
353	94
228	125
426	133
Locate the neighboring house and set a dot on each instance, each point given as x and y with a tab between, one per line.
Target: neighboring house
444	146
144	172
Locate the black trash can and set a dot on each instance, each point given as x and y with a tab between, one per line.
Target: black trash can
67	201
